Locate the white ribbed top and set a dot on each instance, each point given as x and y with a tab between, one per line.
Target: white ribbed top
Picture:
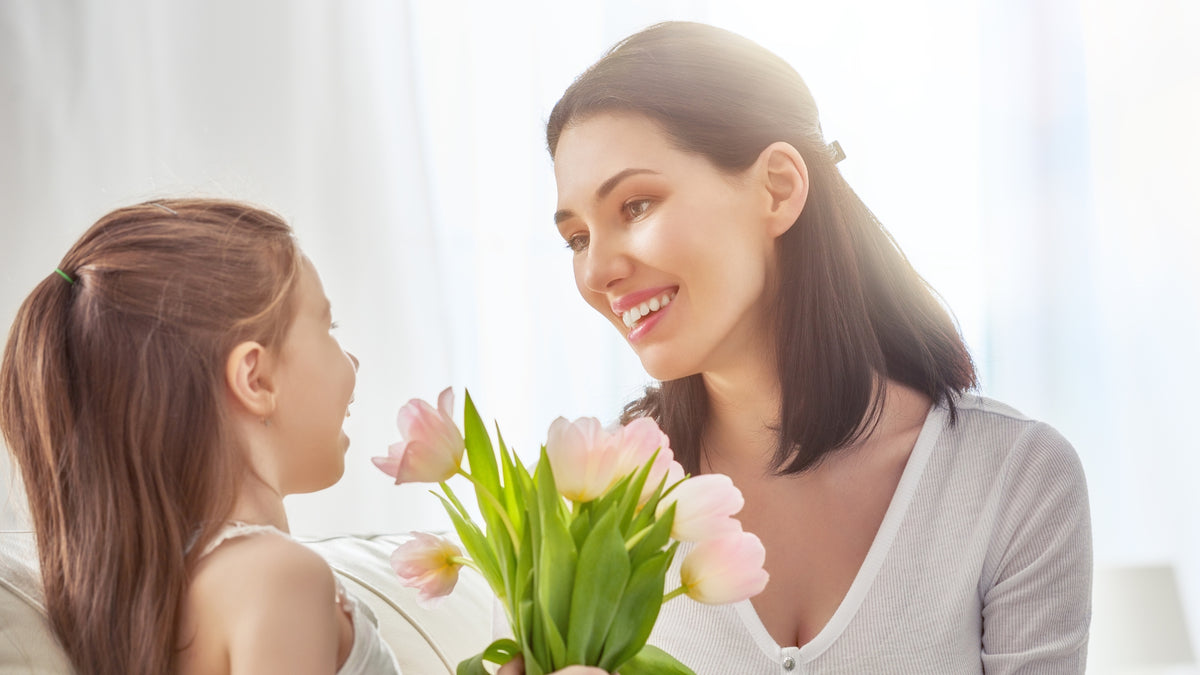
983	561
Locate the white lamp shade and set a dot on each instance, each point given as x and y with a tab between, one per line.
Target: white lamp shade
1138	624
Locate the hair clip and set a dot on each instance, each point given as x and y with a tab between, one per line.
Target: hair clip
165	208
836	152
65	276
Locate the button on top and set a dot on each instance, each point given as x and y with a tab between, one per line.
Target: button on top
789	663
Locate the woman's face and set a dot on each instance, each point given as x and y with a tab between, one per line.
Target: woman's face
673	251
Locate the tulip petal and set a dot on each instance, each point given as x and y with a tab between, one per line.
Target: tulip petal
388	465
427	563
433	446
703	507
725	569
425	463
446	402
582	458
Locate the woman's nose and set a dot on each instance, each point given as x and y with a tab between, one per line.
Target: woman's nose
605	263
354	360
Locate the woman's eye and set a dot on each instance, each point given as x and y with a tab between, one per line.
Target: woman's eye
636	208
577	242
333	326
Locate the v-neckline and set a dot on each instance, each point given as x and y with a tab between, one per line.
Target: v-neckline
906	488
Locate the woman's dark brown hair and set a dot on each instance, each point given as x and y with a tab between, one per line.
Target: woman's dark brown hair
112	403
851	309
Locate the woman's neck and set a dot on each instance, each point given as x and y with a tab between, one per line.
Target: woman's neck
743	418
741	433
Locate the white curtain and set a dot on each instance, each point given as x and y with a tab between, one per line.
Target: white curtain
1035	159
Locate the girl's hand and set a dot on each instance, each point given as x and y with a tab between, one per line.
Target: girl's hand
517	667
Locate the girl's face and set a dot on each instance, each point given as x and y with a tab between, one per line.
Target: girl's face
315	385
671	250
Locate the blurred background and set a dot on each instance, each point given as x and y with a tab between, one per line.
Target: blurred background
1036	160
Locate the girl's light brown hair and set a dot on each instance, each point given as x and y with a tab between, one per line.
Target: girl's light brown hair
112	403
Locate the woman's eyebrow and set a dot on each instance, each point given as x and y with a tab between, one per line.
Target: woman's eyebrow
603	191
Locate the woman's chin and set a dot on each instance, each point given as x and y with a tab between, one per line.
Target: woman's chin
661	368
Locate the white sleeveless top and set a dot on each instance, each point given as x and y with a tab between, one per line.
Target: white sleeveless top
369	655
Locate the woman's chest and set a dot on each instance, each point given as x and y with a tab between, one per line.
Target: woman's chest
816	538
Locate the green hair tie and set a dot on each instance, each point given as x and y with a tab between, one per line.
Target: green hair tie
64	275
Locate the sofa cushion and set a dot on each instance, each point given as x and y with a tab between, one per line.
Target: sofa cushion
27	644
426	640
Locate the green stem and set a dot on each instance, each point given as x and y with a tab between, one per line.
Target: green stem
466	562
674	594
495	504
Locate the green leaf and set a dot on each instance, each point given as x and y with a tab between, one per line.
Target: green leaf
633	493
555	549
471	666
537	649
638	610
612	496
477	546
514	494
654	661
556	645
600	578
501	652
520	596
654	540
525	481
581	525
646	515
556	559
479	452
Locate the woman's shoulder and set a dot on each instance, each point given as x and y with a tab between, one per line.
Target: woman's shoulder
988	432
980	417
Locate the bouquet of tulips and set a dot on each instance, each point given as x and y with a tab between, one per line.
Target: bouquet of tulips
577	551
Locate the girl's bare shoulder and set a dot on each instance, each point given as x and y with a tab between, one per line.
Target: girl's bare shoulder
261	593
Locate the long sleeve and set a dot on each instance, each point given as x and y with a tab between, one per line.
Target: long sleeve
1037	577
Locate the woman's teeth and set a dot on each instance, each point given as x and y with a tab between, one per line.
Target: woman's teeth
635	314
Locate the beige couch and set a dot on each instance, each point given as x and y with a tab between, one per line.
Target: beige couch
425	641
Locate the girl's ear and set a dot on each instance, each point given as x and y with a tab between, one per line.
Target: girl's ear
248	379
785	177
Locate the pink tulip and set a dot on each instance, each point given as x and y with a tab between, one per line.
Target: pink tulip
726	569
432	449
637	443
428	563
584	458
704	506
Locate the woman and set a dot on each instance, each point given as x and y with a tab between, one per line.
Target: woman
909	526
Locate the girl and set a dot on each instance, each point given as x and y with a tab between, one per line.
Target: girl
161	391
909	525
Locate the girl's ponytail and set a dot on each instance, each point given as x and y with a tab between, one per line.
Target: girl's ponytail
111	402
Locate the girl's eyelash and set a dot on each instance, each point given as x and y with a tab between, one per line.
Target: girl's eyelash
333	325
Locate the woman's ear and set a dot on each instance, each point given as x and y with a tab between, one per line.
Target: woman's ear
785	177
248	379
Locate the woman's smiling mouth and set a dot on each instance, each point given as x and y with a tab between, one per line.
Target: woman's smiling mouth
634	314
